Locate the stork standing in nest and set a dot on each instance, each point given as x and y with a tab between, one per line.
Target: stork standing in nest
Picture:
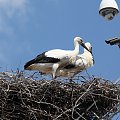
49	62
83	62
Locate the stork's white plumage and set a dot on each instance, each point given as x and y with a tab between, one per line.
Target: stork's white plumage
83	62
49	62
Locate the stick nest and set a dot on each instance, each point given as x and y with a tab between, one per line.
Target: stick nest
23	98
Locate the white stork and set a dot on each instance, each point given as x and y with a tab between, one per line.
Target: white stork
49	62
83	62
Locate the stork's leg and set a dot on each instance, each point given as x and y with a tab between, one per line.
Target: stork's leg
54	68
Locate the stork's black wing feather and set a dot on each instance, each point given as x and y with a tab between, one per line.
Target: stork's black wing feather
70	66
41	59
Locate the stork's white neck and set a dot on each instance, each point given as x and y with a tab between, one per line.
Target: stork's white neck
88	57
76	47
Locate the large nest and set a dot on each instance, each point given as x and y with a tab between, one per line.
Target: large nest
23	98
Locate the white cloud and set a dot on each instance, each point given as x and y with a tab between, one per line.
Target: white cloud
10	9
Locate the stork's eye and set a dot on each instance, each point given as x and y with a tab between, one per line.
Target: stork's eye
91	48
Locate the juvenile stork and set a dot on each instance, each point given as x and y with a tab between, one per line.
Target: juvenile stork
114	41
49	62
83	62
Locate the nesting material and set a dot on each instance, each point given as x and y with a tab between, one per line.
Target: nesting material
23	98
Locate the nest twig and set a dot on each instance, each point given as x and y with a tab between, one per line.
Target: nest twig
22	97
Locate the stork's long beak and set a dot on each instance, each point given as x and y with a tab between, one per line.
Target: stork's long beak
93	60
83	45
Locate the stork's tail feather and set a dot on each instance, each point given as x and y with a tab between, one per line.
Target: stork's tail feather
29	63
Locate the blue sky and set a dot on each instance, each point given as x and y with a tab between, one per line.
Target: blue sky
30	27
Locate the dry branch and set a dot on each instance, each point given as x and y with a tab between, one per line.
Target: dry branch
23	98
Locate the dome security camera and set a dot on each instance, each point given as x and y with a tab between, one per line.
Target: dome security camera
108	9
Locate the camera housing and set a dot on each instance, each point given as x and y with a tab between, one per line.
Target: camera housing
108	9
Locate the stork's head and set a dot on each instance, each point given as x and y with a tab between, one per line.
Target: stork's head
80	41
89	46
